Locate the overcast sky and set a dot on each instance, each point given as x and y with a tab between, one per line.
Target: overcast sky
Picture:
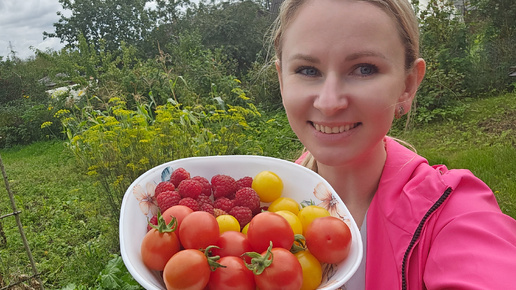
22	23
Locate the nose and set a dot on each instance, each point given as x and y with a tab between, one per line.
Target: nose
332	96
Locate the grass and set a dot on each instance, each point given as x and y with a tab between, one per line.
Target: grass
73	236
69	231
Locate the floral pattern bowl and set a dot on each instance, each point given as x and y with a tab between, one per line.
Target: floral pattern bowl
300	183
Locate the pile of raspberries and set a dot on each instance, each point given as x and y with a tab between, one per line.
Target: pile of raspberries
222	195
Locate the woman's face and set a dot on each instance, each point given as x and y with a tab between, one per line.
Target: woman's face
342	76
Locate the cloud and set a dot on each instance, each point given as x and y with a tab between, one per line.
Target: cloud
22	24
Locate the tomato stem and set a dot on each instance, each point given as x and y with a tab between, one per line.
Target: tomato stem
299	244
212	260
162	225
258	262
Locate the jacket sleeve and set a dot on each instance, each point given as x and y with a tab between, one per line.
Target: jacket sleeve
475	246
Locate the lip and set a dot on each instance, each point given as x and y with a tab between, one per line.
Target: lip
334	128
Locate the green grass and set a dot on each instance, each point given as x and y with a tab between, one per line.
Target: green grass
70	233
73	236
483	141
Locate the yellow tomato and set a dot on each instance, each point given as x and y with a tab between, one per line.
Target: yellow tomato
268	185
285	203
293	220
308	213
227	223
312	270
244	230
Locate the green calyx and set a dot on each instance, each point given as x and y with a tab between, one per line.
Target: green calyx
299	244
212	260
258	262
162	226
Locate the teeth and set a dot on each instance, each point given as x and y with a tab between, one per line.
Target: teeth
333	130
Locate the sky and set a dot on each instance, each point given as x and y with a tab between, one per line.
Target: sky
22	24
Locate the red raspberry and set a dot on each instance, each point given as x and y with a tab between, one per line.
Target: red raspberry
179	175
154	221
242	214
189	188
248	197
246	181
190	202
223	185
224	204
204	199
168	199
207	208
205	183
163	186
218	211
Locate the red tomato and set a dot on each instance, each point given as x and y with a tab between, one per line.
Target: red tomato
269	226
236	276
232	243
157	248
328	239
177	211
187	269
199	230
283	273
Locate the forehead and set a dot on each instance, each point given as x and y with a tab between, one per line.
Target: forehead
341	22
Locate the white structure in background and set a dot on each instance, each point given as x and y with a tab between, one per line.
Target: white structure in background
71	93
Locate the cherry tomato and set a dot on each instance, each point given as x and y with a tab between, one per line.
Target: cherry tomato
228	222
158	246
312	270
232	243
236	276
285	203
269	226
177	211
293	220
268	185
199	230
187	269
328	239
283	273
308	213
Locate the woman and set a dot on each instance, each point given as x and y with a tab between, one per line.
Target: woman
346	69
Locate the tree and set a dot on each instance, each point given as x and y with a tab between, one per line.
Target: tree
113	21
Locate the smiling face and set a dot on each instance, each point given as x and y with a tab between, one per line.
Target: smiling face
342	75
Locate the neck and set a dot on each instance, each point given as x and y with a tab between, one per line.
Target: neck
356	183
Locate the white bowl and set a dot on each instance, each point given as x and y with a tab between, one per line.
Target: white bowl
300	183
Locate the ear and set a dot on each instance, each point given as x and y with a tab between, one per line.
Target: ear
278	70
412	81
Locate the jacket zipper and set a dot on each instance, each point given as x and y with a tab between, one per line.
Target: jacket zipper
417	233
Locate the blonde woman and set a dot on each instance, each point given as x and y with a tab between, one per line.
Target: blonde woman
346	69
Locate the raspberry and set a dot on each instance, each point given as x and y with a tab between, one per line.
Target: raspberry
223	185
246	181
205	183
163	186
204	199
242	214
224	204
218	211
154	221
179	175
168	199
189	188
207	208
248	197
190	202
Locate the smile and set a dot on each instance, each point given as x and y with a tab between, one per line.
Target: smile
334	130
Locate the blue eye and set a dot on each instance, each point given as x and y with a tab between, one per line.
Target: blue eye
365	70
308	71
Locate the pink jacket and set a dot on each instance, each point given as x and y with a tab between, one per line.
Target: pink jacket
433	228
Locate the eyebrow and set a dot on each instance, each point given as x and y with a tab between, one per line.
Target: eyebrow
354	56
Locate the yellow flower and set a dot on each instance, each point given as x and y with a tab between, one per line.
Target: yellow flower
46	124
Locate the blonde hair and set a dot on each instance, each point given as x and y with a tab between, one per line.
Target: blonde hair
400	11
